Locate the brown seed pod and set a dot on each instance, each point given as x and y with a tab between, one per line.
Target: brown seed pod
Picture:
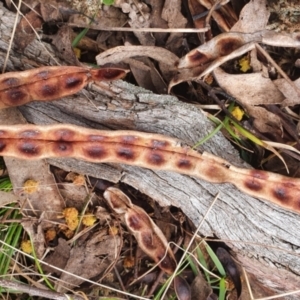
49	83
149	237
152	151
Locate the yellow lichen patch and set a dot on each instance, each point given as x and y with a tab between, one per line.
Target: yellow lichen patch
79	180
113	230
238	113
77	52
50	235
30	186
72	224
128	262
209	79
88	220
26	246
67	232
244	64
71	217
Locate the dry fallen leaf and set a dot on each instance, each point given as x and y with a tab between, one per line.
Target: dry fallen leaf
252	90
291	95
249	89
28	27
90	258
58	257
247	23
7	198
200	288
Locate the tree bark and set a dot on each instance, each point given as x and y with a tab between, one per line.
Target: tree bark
264	237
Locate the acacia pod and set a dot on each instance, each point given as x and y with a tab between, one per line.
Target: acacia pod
49	83
152	151
148	235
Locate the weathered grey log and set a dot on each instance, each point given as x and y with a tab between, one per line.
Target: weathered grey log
264	237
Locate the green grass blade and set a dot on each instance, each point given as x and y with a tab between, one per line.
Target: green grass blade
215	260
79	37
222	291
192	265
108	2
248	134
5	184
10	235
207	137
38	265
203	263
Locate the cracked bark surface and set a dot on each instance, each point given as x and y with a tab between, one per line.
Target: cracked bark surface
265	238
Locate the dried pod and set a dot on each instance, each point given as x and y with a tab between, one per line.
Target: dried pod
49	83
152	151
149	237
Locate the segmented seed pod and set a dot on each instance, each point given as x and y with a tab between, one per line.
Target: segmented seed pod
49	83
152	151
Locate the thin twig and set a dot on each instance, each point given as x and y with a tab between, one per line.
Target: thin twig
277	67
248	284
34	291
148	29
12	35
